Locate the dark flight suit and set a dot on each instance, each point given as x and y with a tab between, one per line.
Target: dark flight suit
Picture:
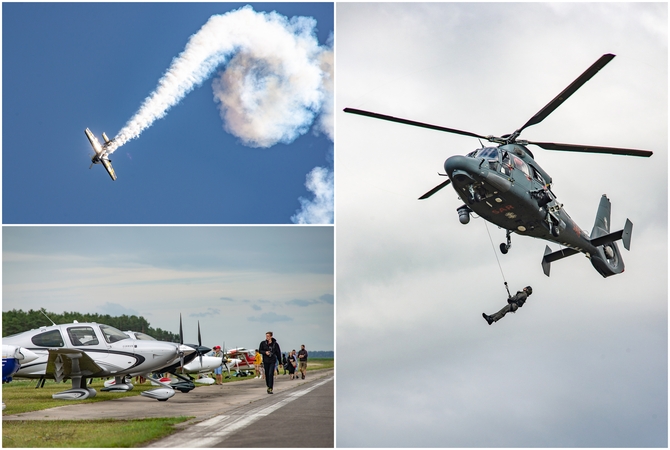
513	303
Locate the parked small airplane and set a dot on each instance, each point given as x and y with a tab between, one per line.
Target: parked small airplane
80	351
197	363
244	361
101	152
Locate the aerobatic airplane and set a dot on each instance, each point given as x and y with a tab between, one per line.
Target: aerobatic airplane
101	152
80	351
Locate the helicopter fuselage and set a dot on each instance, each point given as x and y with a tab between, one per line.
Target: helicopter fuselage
506	187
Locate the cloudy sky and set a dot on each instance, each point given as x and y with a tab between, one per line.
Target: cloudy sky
239	282
585	362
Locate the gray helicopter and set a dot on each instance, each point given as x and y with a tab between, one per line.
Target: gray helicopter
505	185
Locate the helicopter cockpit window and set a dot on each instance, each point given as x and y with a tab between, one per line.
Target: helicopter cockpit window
51	338
522	166
82	336
112	334
488	153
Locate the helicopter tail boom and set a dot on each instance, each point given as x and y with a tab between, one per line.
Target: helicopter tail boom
604	253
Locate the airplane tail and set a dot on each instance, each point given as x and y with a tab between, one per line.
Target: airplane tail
606	259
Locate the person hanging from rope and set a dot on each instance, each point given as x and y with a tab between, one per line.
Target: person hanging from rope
513	303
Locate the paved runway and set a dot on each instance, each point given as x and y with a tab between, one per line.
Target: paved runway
300	417
232	415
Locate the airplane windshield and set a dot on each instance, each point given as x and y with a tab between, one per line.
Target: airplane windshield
112	334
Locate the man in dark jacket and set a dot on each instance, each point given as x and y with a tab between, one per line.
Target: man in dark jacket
302	361
271	352
513	303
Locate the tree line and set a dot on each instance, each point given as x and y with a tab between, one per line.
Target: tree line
18	321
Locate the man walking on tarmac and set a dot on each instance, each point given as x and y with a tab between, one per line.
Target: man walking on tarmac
513	303
271	352
302	361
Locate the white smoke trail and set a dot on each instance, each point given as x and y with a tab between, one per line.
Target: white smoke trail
275	81
269	92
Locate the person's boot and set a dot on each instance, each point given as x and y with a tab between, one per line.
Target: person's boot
489	319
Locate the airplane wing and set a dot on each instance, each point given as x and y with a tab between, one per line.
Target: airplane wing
65	362
108	166
94	141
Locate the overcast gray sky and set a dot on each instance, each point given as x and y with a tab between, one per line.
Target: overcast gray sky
239	282
584	363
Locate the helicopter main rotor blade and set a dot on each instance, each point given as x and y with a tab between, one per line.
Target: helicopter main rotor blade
411	122
568	91
435	189
592	149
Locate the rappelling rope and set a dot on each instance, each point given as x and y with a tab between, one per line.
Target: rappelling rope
496	255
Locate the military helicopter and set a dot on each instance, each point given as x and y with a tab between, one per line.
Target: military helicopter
507	187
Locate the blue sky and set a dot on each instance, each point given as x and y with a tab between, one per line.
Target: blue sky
238	281
68	66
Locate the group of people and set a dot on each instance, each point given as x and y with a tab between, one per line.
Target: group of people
269	357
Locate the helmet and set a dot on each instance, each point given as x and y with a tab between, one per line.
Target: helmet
528	289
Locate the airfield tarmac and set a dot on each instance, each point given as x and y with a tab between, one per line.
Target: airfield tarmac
231	415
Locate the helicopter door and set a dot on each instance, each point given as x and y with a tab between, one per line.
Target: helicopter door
506	166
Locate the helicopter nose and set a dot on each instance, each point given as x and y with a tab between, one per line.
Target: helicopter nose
459	166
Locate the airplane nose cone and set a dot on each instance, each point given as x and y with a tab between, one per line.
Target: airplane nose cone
186	349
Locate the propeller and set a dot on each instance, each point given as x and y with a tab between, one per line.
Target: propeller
537	118
181	342
199	343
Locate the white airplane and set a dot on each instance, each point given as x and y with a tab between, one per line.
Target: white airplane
101	152
80	351
198	363
12	357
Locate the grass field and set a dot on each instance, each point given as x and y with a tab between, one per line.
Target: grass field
85	433
21	396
